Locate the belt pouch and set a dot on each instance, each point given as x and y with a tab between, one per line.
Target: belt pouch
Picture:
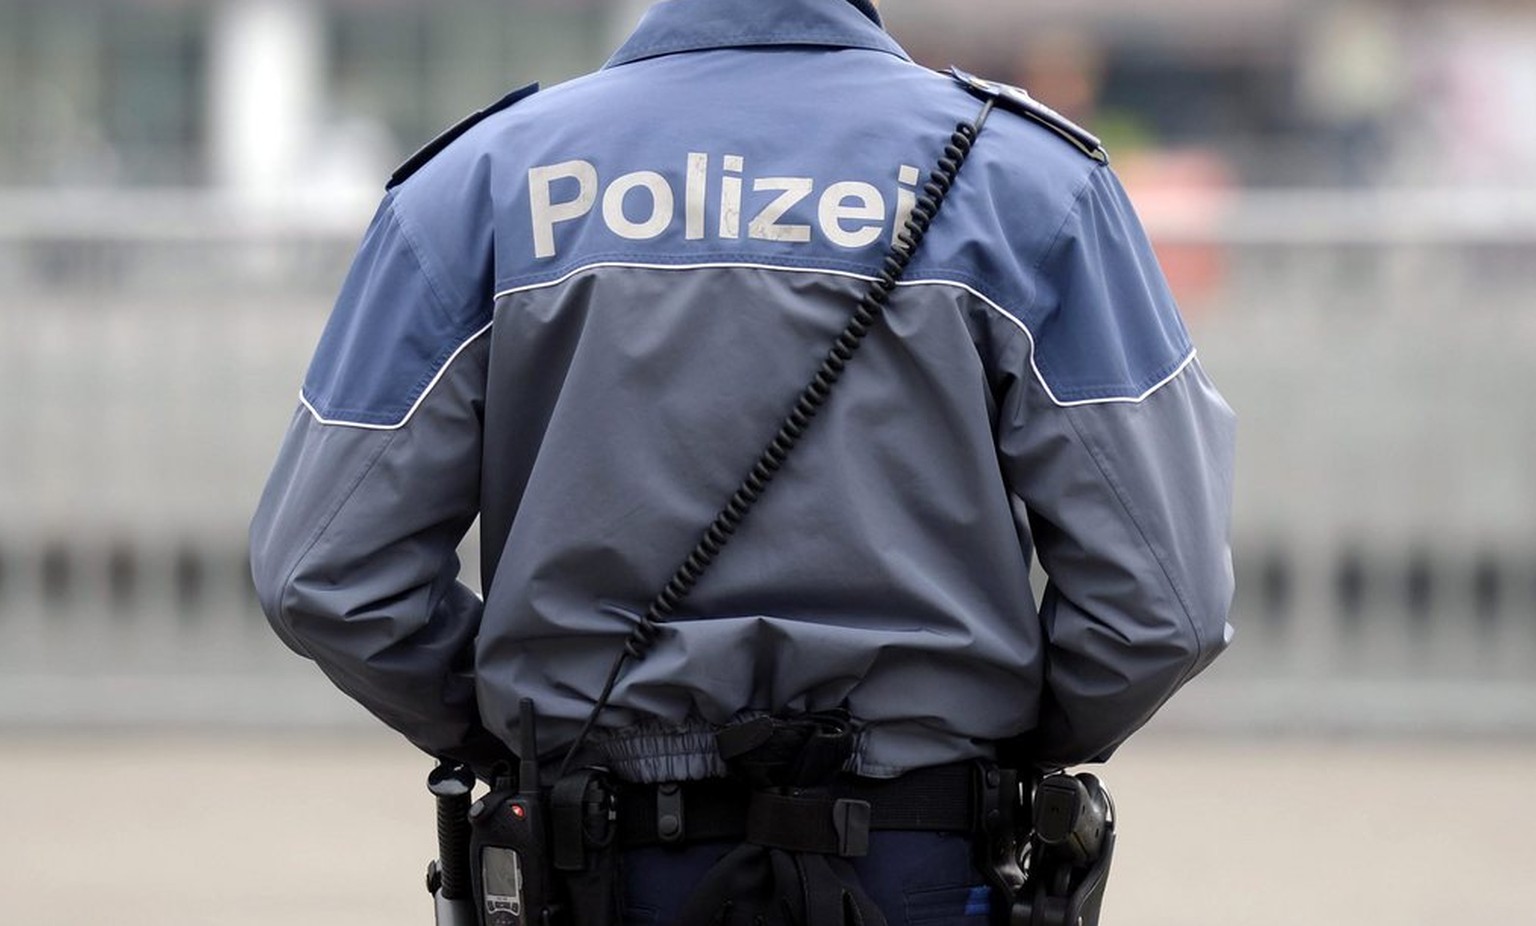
585	847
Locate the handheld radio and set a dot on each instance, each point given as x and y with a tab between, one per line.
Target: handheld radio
509	848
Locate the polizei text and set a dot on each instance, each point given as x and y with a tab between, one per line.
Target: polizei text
643	204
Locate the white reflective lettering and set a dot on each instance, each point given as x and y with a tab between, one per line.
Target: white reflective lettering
730	197
698	180
660	216
849	213
855	201
906	200
546	213
766	225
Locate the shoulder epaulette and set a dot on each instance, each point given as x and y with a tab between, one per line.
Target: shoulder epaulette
1018	100
435	147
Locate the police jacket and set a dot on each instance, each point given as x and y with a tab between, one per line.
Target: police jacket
583	317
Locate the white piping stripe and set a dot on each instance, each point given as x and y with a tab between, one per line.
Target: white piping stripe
340	422
1039	377
721	265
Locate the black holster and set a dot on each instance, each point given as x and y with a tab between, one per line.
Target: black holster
1071	846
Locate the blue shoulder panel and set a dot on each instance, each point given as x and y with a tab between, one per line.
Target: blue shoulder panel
419	289
1104	323
390	335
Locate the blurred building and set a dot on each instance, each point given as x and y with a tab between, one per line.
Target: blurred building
256	94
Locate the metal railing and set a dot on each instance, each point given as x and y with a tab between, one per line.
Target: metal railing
1376	348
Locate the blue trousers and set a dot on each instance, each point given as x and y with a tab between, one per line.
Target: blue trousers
913	877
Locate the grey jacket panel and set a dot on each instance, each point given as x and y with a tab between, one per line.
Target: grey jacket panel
882	571
1128	505
353	556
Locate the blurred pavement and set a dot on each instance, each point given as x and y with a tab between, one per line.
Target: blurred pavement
165	829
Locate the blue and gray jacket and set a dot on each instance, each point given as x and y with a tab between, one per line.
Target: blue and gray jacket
582	319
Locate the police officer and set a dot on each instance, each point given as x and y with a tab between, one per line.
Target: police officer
579	316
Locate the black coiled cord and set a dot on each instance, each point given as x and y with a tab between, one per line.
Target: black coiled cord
871	309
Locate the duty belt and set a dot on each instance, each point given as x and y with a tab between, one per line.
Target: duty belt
835	820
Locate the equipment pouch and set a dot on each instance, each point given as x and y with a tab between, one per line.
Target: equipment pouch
585	850
794	751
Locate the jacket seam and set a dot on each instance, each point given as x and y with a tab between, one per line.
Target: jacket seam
442	303
1131	512
421	390
1059	235
929	278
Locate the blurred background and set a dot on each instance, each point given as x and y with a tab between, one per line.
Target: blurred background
1341	192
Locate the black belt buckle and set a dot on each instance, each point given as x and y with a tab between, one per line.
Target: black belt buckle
850	819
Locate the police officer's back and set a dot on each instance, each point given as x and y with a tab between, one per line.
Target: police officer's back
583	316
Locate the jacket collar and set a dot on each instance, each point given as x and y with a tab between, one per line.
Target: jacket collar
696	25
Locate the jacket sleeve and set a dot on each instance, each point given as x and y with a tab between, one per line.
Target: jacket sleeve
353	542
1122	452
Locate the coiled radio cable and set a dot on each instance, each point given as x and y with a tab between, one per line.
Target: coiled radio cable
871	309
